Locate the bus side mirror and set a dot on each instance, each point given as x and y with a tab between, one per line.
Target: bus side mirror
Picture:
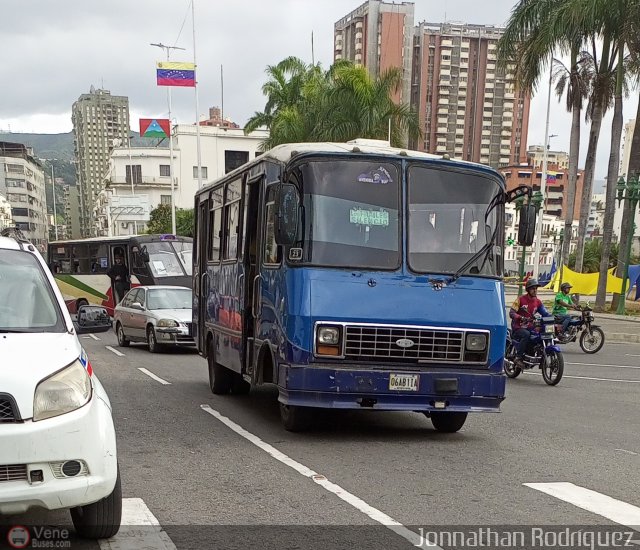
527	225
287	215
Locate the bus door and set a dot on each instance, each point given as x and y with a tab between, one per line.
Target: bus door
119	250
200	274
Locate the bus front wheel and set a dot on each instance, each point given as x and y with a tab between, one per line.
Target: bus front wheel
448	422
295	419
220	378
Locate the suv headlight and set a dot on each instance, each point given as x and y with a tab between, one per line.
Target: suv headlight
164	323
63	392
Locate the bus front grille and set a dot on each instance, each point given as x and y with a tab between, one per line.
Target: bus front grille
403	344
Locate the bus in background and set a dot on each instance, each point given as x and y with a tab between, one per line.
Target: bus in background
355	276
81	267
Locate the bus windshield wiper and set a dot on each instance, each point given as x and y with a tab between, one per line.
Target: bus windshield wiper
482	253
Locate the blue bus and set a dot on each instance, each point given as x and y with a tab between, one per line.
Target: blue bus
355	276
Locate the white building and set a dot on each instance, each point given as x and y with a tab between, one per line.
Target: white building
5	213
552	226
126	211
535	154
22	184
595	224
627	137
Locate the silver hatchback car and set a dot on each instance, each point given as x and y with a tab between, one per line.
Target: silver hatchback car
158	315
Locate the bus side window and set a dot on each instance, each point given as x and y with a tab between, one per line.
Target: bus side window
232	220
271	249
99	257
80	259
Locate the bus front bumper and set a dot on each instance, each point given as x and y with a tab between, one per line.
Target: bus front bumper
373	388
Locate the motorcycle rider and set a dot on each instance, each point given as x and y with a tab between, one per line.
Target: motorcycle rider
562	303
522	314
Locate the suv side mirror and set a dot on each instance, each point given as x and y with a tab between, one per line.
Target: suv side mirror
527	225
92	319
287	215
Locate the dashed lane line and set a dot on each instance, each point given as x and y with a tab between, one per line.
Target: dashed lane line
139	529
113	350
321	480
156	378
589	378
94	337
613	509
604	365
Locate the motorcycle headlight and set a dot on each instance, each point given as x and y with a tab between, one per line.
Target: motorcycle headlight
61	393
549	329
164	323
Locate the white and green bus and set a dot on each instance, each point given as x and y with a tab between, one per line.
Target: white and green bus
81	266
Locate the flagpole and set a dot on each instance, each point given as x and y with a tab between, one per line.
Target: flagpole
173	193
195	87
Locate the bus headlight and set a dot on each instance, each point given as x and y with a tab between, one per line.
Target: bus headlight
476	342
61	393
328	340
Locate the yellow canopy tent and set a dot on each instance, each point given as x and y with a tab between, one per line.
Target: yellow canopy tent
584	283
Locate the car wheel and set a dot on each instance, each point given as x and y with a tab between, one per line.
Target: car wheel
123	341
154	347
100	520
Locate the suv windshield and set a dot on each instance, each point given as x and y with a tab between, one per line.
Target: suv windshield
27	301
351	213
452	216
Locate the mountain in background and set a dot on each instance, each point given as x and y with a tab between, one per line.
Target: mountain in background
46	146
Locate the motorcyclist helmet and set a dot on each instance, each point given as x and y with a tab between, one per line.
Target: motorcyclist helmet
565	287
532	283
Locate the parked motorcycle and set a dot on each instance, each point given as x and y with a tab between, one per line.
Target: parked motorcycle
591	336
543	353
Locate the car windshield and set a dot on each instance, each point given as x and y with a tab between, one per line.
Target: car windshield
452	216
170	259
27	301
168	298
351	214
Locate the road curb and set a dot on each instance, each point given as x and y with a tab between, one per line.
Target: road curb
622	338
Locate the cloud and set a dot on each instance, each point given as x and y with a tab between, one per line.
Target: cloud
59	49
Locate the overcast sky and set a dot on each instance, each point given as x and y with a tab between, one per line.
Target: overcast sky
54	51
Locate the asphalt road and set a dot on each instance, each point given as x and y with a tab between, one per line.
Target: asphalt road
225	475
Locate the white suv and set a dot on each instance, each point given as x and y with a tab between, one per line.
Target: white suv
57	439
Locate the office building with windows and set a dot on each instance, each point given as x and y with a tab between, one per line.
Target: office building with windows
100	120
22	184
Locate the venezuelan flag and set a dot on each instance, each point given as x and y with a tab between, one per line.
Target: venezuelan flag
170	73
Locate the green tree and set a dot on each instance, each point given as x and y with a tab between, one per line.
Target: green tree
306	103
160	221
593	256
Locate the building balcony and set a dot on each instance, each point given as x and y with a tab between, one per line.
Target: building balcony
146	180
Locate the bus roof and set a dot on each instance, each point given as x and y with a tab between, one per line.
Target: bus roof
287	152
123	239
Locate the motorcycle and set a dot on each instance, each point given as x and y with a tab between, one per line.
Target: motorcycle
543	353
591	336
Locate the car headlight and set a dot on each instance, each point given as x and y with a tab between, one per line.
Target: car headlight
63	392
476	342
328	340
163	323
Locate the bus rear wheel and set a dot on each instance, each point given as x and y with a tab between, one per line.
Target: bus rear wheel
220	378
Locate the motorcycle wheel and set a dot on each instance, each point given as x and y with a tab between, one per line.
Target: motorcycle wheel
552	367
592	343
508	364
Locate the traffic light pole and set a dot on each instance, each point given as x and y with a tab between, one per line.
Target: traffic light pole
521	271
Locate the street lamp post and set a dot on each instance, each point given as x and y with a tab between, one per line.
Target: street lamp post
627	191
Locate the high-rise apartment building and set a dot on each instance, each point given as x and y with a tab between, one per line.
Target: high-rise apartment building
71	200
378	35
22	184
98	119
468	104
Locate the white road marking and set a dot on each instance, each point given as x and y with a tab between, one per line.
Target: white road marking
139	529
156	378
625	451
589	378
615	510
94	337
118	353
601	365
321	480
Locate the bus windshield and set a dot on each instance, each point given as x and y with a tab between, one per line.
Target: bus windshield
170	259
452	216
351	214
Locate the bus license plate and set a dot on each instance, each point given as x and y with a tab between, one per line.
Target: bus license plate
404	382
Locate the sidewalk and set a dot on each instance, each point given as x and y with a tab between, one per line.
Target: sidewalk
624	329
